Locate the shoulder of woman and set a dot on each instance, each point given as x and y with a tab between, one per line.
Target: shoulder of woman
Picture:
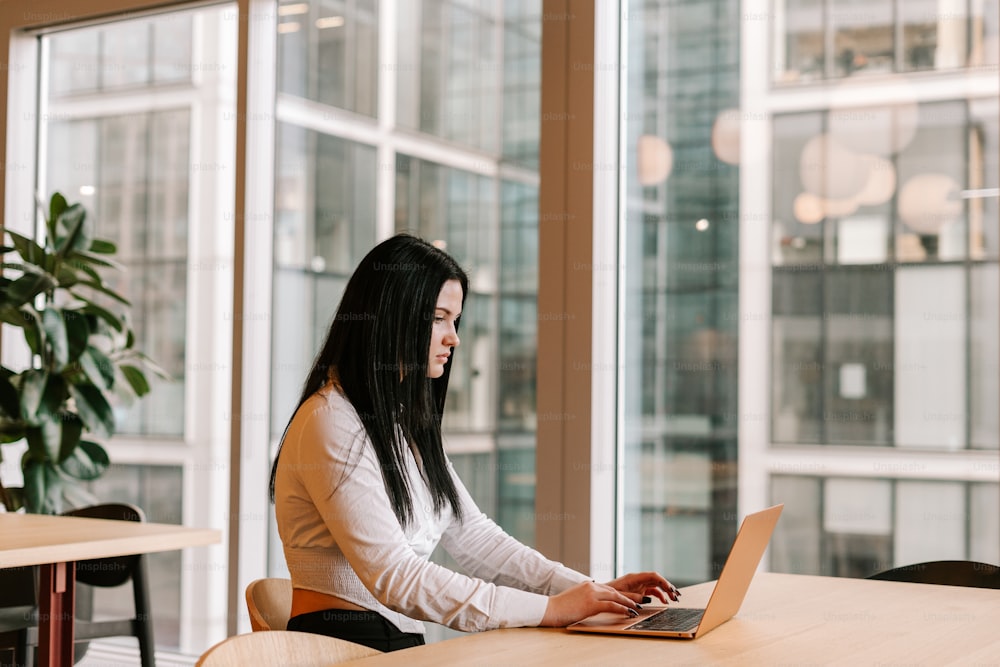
328	420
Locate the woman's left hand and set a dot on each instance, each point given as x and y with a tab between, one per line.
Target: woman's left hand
638	585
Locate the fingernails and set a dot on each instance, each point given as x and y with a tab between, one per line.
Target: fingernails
632	612
638	606
646	599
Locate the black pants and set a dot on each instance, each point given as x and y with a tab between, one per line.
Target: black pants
361	627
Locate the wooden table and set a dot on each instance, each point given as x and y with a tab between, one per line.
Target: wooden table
785	620
57	542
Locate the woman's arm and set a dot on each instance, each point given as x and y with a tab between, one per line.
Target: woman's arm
485	551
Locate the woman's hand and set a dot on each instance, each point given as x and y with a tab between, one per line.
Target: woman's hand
583	600
638	585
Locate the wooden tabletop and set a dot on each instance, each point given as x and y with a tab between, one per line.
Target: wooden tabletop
34	539
785	620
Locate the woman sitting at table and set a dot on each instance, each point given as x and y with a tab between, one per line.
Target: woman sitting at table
364	491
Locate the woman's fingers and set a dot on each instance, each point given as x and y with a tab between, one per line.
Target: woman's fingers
585	600
646	584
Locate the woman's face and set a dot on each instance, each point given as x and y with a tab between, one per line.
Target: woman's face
444	336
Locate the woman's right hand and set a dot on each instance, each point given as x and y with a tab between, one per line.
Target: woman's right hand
583	600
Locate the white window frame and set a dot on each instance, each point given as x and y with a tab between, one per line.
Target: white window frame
226	475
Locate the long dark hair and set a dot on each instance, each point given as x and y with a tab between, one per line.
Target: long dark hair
382	329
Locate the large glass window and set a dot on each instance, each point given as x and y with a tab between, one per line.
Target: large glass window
883	286
853	527
451	66
872	277
136	125
329	52
816	39
680	65
324	208
127	168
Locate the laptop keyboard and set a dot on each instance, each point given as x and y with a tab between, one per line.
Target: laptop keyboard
672	618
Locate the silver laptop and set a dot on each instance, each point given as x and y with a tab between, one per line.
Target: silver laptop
727	596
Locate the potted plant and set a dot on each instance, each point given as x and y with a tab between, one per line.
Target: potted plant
83	358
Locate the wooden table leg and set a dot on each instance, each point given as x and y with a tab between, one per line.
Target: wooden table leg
56	602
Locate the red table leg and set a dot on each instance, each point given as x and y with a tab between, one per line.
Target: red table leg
56	602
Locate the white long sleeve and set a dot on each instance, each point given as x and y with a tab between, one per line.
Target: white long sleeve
342	538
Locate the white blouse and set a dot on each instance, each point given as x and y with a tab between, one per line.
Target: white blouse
342	538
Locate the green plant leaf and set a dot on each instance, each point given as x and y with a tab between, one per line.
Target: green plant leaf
104	289
28	286
94	409
43	487
77	237
151	365
55	332
90	258
93	309
11	431
77	333
28	248
103	246
26	268
34	332
100	370
4	249
86	268
34	485
72	430
66	276
136	379
10	401
12	315
57	204
33	382
45	439
15	494
87	462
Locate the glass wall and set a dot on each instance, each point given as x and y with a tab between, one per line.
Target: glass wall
680	261
133	125
881	339
831	39
877	337
854	527
884	285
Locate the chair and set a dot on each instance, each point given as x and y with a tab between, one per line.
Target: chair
282	647
104	573
269	602
946	573
18	590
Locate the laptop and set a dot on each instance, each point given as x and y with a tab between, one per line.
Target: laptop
727	596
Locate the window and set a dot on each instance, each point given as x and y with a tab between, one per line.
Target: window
853	527
883	340
679	266
136	126
817	39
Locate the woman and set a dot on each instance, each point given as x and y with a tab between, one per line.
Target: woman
364	491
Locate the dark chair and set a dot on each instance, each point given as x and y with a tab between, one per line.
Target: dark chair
945	572
103	573
18	611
